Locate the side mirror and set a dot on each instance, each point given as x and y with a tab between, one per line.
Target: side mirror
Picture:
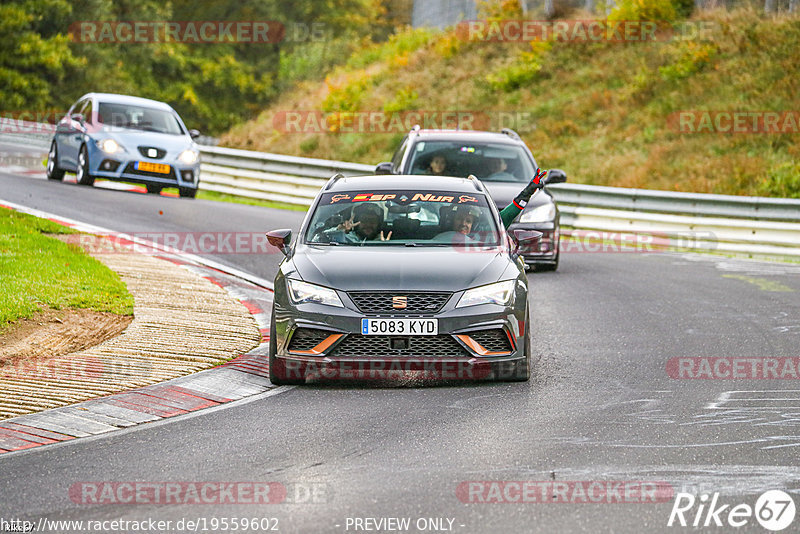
280	239
524	239
556	176
77	117
194	134
384	168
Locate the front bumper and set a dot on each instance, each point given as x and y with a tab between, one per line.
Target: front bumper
121	167
466	347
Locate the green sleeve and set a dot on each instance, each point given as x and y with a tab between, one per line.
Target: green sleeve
509	213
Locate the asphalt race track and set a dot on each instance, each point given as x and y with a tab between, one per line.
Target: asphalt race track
600	407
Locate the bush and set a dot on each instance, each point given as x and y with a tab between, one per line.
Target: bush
782	181
654	10
521	71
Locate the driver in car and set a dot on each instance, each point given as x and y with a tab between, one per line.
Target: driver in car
461	225
498	171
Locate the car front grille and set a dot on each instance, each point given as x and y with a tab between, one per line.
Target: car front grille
305	339
384	303
494	340
130	168
145	151
358	346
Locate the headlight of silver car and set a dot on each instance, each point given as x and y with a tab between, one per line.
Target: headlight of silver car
543	213
189	156
497	293
303	292
109	146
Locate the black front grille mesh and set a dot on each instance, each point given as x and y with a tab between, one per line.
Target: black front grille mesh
494	340
383	303
307	338
440	346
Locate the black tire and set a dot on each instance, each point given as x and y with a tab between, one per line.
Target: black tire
522	372
153	189
275	376
82	172
53	171
187	192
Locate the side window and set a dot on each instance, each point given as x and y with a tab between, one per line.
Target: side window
397	159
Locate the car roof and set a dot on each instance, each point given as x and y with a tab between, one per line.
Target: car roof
112	98
466	135
405	181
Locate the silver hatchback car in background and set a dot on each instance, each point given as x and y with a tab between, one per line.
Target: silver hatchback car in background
125	138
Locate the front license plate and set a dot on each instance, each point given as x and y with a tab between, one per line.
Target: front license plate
146	166
400	327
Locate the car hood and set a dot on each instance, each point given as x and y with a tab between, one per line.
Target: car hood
131	139
402	268
504	192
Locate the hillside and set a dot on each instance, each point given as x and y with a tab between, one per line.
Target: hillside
608	113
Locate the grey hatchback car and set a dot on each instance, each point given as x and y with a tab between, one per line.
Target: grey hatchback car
411	274
502	161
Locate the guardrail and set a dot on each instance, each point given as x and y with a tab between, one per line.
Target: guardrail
265	176
723	223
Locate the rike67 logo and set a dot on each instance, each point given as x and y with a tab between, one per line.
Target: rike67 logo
774	511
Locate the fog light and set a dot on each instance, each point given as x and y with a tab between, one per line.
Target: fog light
187	176
109	165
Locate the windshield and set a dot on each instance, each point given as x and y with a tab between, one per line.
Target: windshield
139	118
491	162
403	218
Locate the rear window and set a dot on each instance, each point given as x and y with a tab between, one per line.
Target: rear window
403	218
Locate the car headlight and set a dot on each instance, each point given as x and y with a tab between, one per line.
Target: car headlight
498	293
543	213
301	292
189	156
109	146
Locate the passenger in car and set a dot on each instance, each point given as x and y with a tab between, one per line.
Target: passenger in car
364	224
437	165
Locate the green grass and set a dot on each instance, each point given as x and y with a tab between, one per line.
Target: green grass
37	271
223	197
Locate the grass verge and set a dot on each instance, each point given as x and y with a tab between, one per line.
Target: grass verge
37	270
